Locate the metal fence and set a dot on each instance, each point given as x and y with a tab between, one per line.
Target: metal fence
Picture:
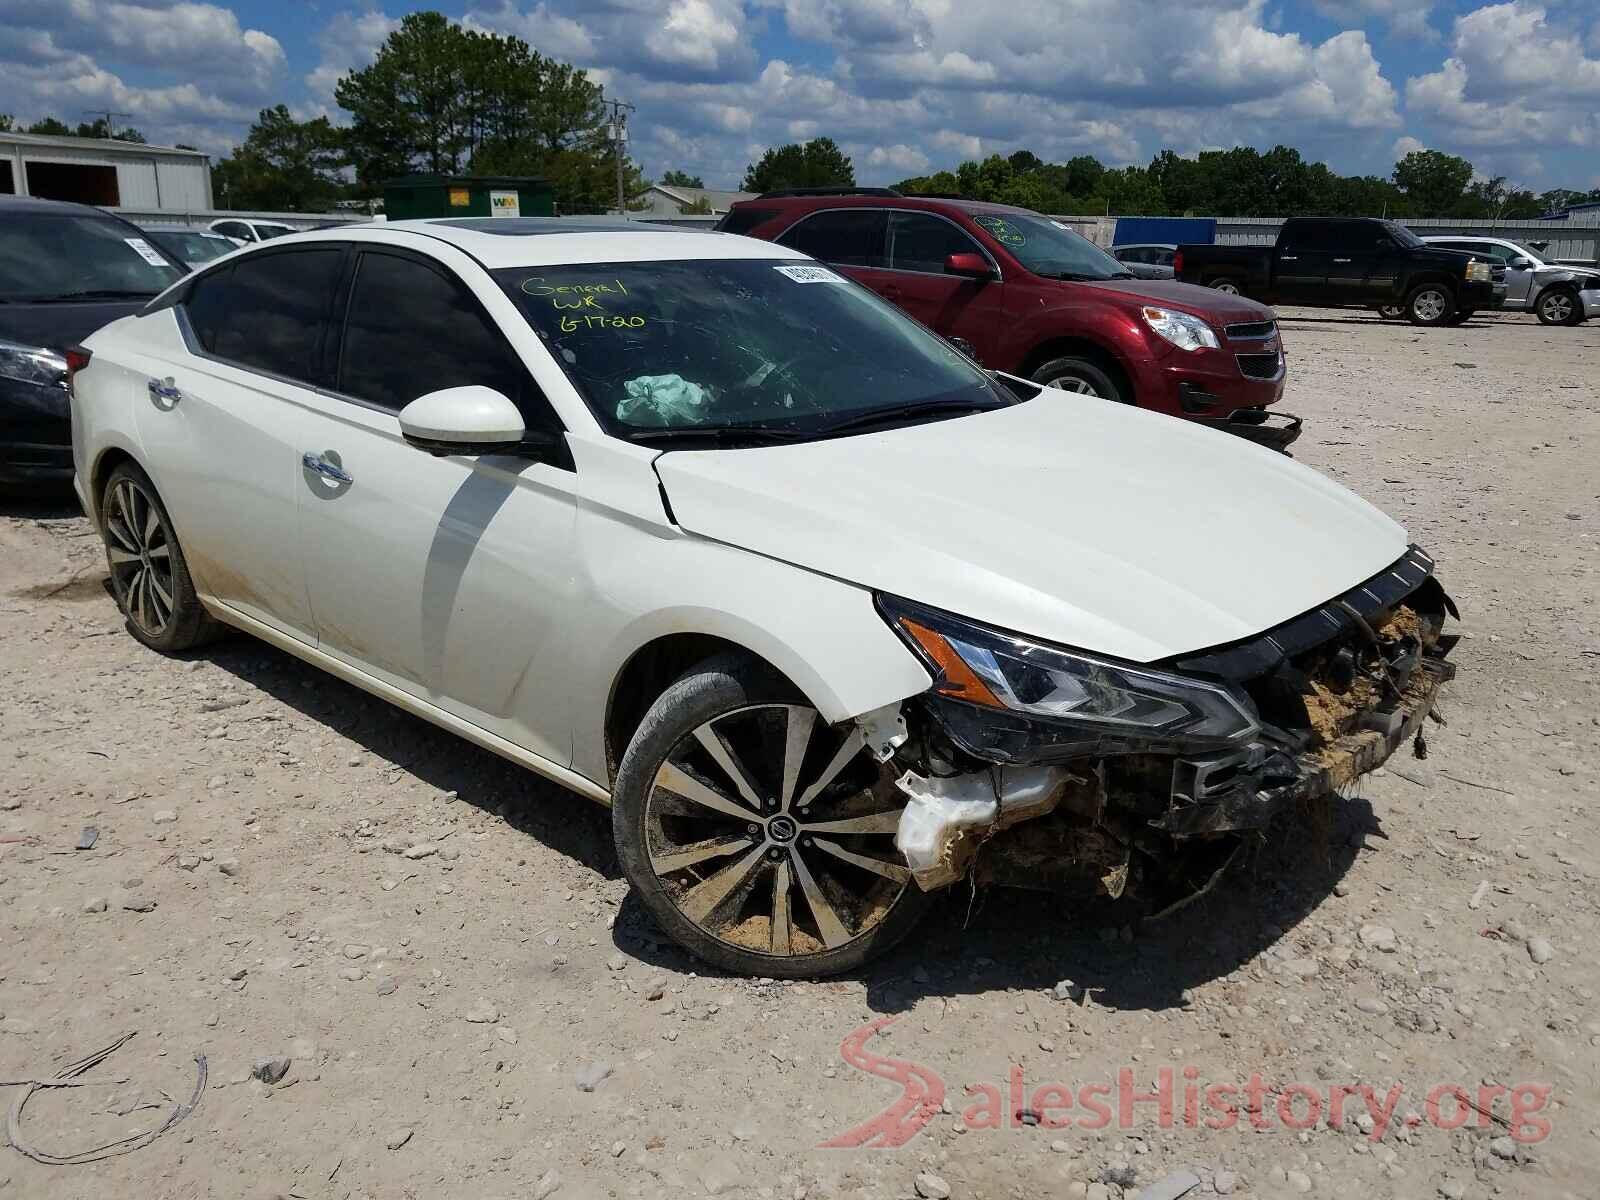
1575	239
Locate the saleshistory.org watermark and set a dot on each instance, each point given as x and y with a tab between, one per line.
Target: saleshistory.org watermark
1176	1097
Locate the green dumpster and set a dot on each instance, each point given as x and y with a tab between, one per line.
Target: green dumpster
467	196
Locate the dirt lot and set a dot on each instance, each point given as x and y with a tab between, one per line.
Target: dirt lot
443	947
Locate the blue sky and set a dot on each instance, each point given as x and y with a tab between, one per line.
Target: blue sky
907	86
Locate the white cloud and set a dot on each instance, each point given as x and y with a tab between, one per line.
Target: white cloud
1406	145
1405	18
349	42
1514	82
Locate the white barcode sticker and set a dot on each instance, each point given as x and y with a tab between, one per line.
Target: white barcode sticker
145	251
809	274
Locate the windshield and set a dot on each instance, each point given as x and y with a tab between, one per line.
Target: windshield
193	247
786	348
1403	235
267	232
46	256
1050	248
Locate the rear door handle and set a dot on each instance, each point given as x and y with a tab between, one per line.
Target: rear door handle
164	389
315	463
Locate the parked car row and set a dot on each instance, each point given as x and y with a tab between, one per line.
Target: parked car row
714	533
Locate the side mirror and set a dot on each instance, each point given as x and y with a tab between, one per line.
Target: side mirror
1520	264
972	266
463	420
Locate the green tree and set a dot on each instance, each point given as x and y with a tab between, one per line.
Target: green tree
283	165
444	99
5	122
1434	183
818	163
682	179
49	127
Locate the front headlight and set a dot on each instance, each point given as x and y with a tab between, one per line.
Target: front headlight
986	667
1184	331
1479	272
32	364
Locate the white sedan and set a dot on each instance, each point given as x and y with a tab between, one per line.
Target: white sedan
689	523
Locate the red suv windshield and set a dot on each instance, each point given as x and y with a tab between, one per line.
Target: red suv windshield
1049	248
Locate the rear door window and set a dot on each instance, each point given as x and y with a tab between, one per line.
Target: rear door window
1310	237
269	312
849	237
921	242
743	220
411	329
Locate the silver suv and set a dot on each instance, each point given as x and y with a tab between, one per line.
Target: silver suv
1555	293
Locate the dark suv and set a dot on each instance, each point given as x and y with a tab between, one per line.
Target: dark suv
65	270
1024	294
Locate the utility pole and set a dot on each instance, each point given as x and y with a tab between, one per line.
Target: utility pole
108	115
618	120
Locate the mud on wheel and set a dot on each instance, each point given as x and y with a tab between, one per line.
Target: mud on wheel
756	835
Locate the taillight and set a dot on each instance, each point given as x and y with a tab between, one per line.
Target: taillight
1177	263
77	359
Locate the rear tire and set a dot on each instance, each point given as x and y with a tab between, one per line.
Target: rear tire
757	874
149	576
1430	304
1558	305
1226	286
1392	312
1081	376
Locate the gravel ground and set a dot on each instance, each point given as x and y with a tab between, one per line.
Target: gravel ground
470	1005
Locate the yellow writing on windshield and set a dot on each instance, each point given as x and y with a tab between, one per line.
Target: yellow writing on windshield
536	286
600	321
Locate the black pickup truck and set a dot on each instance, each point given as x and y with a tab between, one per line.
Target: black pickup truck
1346	262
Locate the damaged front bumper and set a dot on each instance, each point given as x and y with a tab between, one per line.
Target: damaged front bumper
1019	801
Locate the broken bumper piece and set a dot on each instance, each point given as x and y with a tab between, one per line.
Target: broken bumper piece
1275	430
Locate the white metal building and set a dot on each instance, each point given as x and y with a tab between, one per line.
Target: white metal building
106	173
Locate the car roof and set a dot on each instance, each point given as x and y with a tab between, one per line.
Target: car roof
31	204
873	200
1467	237
203	232
500	242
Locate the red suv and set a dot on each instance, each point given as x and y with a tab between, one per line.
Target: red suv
1026	295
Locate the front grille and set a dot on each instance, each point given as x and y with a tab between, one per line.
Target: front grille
1251	331
1497	274
1259	366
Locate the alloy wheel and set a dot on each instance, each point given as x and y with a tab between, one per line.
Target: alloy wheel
1073	383
1226	286
140	552
1556	308
1430	305
774	834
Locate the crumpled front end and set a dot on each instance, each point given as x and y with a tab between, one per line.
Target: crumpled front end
1017	798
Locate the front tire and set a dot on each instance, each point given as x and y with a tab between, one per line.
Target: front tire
1391	312
1224	285
1430	304
760	839
1558	306
1082	377
149	576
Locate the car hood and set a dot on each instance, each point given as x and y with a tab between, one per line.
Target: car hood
60	325
1080	522
1220	308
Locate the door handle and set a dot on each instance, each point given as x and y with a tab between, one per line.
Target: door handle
315	463
164	390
